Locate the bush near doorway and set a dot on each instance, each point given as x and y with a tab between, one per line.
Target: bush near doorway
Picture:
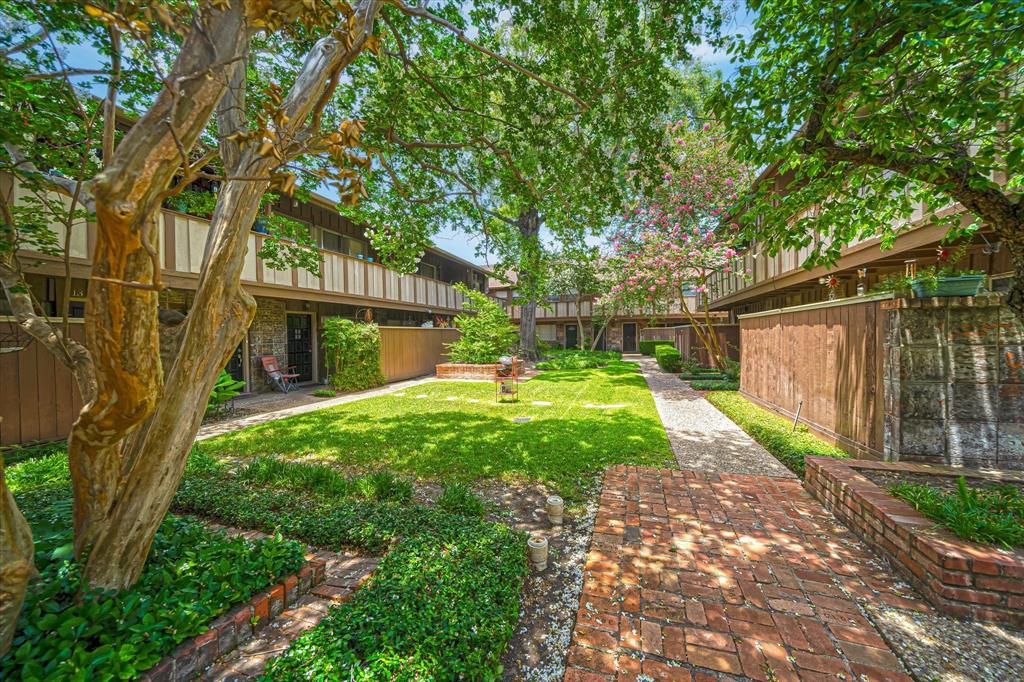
649	347
353	354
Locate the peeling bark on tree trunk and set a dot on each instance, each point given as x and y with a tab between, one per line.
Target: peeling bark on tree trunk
17	553
529	228
151	455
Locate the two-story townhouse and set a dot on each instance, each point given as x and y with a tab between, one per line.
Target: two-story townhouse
931	379
292	303
559	323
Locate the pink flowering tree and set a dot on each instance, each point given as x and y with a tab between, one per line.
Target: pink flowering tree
674	242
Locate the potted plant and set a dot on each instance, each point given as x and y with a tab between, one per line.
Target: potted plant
942	279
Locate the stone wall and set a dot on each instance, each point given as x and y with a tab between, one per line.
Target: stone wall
268	335
954	383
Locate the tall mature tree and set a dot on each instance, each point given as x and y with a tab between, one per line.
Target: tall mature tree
674	243
250	90
530	163
875	105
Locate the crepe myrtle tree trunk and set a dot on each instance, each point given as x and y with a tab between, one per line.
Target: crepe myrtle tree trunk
17	552
529	228
127	473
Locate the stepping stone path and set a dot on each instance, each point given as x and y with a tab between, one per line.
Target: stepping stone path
541	403
343	574
704	576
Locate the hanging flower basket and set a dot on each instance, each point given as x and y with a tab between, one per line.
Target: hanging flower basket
949	285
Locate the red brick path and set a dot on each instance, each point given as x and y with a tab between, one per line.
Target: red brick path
695	576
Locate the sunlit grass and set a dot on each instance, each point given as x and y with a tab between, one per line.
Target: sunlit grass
457	431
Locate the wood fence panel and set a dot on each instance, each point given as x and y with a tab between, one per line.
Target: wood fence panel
829	357
407	352
39	399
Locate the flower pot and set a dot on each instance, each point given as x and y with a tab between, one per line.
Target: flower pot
956	285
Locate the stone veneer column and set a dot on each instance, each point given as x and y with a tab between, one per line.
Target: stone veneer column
268	335
954	383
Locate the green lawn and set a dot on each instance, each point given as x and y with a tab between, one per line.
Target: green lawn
456	430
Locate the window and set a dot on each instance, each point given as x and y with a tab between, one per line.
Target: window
501	293
427	270
343	244
547	332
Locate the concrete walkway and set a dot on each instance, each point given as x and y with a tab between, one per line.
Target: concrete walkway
219	428
702	438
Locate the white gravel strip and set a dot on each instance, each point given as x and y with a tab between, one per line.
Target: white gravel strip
702	438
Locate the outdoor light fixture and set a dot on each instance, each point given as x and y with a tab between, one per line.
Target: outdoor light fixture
555	506
538	546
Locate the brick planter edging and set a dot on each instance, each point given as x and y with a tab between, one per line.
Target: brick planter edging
234	628
455	370
963	578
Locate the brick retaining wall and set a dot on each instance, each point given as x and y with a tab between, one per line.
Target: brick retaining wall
454	370
234	628
960	577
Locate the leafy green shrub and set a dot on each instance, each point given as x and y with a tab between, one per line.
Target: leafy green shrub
320	478
325	393
458	498
993	515
384	486
669	359
226	389
13	454
731	369
773	432
579	359
487	335
715	385
703	376
649	347
442	605
193	575
353	354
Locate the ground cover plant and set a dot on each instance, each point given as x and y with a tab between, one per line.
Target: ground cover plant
580	422
718	384
993	515
441	605
571	358
773	432
195	575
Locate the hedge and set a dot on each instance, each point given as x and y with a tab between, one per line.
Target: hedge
353	354
715	385
648	347
773	432
669	359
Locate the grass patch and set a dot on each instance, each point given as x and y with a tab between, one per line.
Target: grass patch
715	385
193	575
773	432
578	359
585	420
992	515
324	393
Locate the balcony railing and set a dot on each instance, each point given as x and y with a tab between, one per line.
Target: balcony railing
567	309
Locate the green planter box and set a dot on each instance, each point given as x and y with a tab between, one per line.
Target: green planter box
962	285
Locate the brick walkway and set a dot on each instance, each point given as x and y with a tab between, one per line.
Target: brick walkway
343	575
700	576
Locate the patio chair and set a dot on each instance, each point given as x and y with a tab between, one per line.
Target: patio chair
283	379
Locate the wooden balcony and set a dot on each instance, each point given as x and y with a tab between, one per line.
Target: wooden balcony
566	310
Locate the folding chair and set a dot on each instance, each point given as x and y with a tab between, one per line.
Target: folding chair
284	379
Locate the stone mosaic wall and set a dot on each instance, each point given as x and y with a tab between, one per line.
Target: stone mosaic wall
954	383
268	335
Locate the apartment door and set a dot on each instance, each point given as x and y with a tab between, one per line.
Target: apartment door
629	337
300	345
572	339
236	363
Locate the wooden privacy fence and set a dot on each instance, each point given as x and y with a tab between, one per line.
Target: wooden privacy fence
689	344
828	355
38	396
407	352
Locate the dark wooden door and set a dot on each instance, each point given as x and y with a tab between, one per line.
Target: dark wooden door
300	345
236	364
571	336
629	337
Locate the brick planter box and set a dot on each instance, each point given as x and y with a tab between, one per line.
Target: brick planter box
235	627
454	370
960	577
